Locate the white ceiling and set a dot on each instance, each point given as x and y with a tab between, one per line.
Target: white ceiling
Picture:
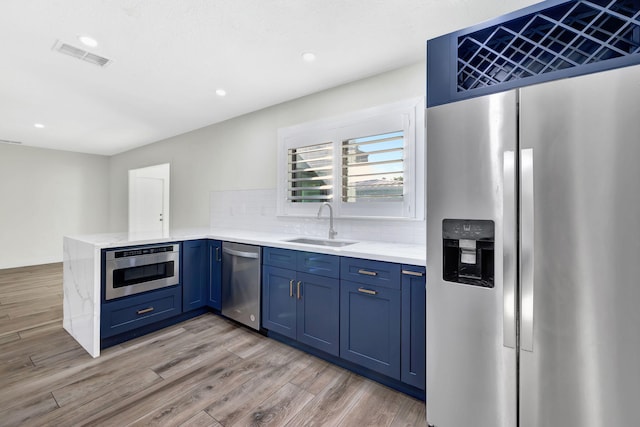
170	56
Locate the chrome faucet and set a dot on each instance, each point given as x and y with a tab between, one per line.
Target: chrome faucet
332	232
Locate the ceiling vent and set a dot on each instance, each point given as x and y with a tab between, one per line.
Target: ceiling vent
82	54
6	141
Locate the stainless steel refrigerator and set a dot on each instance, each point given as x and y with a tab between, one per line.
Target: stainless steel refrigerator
533	256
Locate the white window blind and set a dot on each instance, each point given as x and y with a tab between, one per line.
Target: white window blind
310	173
373	168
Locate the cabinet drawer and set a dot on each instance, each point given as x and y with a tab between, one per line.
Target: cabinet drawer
276	257
377	273
306	262
133	312
320	264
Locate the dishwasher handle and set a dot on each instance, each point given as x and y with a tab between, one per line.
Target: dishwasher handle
241	254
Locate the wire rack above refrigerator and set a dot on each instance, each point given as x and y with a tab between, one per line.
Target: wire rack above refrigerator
561	37
533	45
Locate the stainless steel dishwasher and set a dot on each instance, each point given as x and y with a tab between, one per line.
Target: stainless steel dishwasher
241	283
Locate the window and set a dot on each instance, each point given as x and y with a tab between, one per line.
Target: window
373	168
310	174
366	164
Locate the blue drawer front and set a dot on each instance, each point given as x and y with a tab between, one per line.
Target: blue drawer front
306	262
320	264
276	257
378	273
135	311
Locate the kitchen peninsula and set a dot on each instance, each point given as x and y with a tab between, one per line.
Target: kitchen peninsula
82	267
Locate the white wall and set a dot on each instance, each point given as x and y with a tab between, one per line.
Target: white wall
240	153
44	195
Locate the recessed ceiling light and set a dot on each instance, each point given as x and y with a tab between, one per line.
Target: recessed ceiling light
309	57
38	125
221	92
88	41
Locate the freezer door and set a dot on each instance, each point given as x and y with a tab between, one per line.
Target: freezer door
580	336
471	363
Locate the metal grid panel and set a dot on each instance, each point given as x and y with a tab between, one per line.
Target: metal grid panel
569	35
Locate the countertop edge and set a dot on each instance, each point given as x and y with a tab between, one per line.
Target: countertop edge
400	253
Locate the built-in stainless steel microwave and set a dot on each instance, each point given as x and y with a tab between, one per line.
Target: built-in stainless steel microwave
134	270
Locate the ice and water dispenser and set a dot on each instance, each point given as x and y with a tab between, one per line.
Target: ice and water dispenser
468	251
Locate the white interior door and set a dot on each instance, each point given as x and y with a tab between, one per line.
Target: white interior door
149	204
149	200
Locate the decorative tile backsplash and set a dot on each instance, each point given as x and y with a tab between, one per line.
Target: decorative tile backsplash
256	210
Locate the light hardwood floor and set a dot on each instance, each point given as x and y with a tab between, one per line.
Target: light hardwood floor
202	372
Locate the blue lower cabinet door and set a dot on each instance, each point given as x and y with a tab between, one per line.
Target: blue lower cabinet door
318	312
279	300
215	274
413	326
195	274
370	327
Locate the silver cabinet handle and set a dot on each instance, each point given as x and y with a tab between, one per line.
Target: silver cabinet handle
218	254
412	273
526	250
367	273
145	310
367	291
240	254
291	288
509	254
298	289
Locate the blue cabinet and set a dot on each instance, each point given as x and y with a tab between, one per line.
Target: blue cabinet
278	300
126	314
195	274
370	326
382	323
201	274
413	326
318	312
214	266
298	304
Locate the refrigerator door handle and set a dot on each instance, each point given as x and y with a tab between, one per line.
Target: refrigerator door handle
527	249
509	250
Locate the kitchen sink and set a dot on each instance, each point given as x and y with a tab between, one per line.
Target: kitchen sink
320	242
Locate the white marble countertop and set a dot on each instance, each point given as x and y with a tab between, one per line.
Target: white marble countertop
380	251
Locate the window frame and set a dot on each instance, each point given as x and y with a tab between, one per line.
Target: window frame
406	116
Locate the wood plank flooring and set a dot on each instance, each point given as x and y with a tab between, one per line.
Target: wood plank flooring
206	371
